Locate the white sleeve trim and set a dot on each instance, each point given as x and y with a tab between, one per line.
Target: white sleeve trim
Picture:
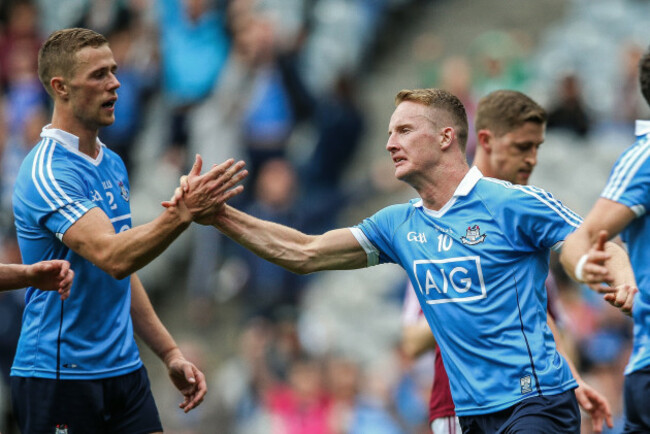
368	247
638	210
557	247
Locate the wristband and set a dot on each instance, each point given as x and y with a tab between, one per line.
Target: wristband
579	266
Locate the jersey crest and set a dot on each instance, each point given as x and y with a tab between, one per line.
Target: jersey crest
473	236
123	191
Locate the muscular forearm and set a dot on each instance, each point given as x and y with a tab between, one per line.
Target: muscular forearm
290	248
124	253
135	248
14	276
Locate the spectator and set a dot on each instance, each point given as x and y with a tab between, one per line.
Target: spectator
568	111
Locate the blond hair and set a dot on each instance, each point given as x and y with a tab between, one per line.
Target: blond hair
442	100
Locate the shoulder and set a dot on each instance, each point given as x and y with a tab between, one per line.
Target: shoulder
399	211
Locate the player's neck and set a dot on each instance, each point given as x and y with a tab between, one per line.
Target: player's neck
436	193
87	136
482	163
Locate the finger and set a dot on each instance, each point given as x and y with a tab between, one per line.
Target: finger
220	172
65	268
185	183
596	423
218	187
173	201
199	392
628	304
602	239
598	257
196	167
232	193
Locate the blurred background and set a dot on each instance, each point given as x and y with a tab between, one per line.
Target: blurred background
303	91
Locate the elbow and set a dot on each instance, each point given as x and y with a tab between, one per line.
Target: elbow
118	271
114	267
302	269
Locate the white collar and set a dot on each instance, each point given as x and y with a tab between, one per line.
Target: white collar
464	188
641	128
71	143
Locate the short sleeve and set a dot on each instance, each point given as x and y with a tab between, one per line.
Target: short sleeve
54	194
378	231
536	219
629	179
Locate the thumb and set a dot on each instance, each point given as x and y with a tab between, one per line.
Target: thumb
189	373
196	167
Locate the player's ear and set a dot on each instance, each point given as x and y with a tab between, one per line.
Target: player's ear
447	136
484	138
59	86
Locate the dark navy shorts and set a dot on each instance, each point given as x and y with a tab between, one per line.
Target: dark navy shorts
535	415
121	404
636	394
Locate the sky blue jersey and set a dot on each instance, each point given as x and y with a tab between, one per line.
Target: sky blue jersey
478	266
89	335
629	184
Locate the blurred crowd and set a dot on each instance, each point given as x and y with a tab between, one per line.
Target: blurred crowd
277	83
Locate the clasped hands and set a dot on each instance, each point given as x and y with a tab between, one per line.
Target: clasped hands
204	196
598	276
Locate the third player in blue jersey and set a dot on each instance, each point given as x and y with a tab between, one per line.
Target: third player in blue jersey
623	208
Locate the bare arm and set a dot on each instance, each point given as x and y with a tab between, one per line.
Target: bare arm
54	275
94	238
606	215
146	324
417	338
297	252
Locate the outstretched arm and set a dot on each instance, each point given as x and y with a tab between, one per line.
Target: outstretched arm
186	377
588	258
284	246
93	235
289	248
54	275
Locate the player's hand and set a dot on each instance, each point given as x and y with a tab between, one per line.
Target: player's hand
54	275
205	195
594	270
189	381
596	405
622	297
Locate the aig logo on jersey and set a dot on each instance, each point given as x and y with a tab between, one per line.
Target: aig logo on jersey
452	280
